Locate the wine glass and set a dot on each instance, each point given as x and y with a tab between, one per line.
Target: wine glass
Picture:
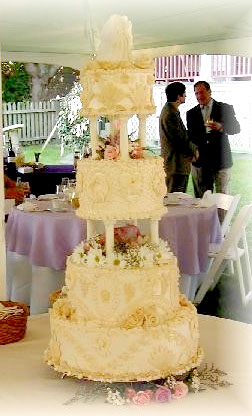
65	181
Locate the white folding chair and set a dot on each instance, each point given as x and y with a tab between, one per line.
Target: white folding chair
226	202
235	248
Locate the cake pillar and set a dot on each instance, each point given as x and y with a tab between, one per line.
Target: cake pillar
109	237
112	128
142	131
93	135
154	235
124	144
90	228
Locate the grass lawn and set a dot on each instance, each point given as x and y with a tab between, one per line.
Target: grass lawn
49	156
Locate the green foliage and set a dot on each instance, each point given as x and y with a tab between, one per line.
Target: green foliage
15	82
73	129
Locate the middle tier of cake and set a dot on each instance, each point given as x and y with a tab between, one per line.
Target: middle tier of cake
111	296
121	189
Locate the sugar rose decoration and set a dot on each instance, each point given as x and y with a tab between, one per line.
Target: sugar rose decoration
163	394
109	148
180	390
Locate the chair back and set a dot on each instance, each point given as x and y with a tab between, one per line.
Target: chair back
226	202
235	236
229	214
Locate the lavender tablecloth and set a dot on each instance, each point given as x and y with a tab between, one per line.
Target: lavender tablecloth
47	238
38	244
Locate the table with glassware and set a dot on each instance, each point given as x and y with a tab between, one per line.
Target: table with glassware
38	243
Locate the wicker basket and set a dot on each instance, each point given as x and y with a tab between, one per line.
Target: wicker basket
13	327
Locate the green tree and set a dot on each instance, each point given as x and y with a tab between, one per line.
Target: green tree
15	82
73	129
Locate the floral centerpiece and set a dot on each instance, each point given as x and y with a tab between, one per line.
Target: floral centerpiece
109	148
131	249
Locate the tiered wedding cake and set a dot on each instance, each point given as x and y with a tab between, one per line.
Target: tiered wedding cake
120	316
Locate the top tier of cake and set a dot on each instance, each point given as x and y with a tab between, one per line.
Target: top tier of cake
114	83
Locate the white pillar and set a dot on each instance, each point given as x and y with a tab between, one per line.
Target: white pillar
93	135
109	243
142	131
124	144
3	288
112	126
91	229
154	235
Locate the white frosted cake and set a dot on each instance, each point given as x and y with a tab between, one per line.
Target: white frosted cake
120	316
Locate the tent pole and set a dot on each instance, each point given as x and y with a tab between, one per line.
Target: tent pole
3	291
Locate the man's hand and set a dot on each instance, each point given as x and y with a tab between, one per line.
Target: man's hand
214	125
196	156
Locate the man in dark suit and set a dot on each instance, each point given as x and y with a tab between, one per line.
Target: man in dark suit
176	148
209	124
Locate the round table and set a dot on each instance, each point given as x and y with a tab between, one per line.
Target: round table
29	386
38	244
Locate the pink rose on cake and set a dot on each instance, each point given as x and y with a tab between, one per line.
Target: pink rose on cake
142	397
126	234
163	394
111	152
115	140
180	390
137	153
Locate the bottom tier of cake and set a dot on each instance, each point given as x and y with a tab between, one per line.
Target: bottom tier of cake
79	349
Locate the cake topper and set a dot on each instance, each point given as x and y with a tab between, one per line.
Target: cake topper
116	40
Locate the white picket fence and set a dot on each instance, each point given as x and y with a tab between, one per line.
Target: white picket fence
38	119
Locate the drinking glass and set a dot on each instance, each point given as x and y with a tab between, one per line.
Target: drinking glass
60	190
65	181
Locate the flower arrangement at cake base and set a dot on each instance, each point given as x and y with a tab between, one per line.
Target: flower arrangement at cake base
158	391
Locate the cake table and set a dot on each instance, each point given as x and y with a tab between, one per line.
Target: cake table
28	387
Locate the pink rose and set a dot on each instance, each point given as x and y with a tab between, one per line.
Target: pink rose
115	140
149	392
163	394
130	393
111	152
126	234
180	390
137	153
141	398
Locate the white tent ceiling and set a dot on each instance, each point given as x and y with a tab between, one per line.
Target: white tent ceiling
66	32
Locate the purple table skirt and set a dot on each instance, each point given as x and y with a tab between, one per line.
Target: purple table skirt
48	238
58	168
